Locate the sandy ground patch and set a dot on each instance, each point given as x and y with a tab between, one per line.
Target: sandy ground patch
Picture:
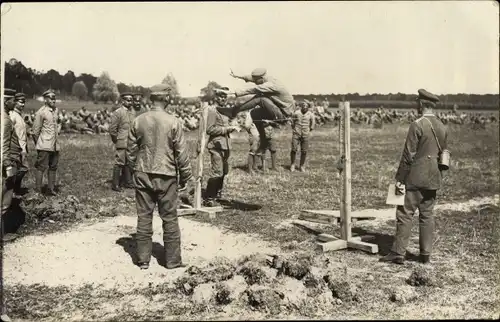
382	215
90	254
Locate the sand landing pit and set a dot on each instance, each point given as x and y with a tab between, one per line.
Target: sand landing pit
100	254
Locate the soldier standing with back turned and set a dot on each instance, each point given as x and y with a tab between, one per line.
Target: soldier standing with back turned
158	154
420	176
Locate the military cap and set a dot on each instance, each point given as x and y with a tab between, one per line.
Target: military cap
221	92
259	72
138	95
8	92
425	95
122	95
19	96
160	89
48	92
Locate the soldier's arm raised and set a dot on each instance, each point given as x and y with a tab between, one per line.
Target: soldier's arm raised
181	153
409	151
265	88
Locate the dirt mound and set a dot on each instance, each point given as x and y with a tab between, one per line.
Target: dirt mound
38	208
403	294
195	276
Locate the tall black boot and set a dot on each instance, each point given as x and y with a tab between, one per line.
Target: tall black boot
18	189
51	183
218	188
117	171
210	192
127	177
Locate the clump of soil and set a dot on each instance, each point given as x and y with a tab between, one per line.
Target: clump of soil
341	288
422	276
195	276
297	266
265	299
253	273
230	290
403	295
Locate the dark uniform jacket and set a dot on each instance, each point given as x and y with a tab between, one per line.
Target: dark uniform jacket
217	130
10	143
418	168
156	145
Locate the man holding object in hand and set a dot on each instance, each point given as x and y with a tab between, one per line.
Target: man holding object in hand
157	152
418	178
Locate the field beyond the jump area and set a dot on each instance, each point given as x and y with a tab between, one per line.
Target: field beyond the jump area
48	273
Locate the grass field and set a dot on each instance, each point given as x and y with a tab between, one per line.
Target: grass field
467	243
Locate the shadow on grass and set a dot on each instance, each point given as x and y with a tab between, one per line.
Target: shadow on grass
239	205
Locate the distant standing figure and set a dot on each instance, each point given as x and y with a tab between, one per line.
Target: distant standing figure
45	136
303	122
121	119
253	141
419	177
158	154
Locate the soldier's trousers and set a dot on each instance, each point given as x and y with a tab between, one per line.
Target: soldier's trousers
424	201
7	191
47	160
219	163
262	108
161	190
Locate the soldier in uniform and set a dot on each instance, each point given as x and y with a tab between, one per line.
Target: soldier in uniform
45	136
20	128
219	146
11	160
268	99
158	153
419	177
121	119
303	122
253	141
138	106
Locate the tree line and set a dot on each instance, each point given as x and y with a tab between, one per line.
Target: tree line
86	86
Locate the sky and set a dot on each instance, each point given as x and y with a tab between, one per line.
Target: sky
312	47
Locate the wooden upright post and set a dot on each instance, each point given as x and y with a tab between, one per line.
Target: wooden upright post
199	159
345	212
198	208
328	242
